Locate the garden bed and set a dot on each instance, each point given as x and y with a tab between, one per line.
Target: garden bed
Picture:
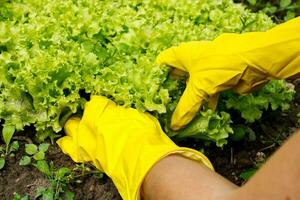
49	65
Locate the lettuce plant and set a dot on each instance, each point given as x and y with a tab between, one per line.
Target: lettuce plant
53	54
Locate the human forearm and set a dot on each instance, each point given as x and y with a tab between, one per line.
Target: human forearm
176	177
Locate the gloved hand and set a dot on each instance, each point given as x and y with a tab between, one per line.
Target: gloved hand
241	62
122	142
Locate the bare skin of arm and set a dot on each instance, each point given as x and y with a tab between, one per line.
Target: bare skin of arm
175	177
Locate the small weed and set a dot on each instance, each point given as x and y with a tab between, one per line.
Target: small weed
35	152
9	150
59	179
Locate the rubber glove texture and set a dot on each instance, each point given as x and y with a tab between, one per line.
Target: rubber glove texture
242	62
122	142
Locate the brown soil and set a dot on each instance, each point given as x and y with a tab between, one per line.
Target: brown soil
24	180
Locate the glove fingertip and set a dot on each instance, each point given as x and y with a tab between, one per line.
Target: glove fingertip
71	126
183	115
169	57
65	143
180	120
67	146
187	107
161	58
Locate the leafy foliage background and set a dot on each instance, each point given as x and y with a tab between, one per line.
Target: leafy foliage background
53	54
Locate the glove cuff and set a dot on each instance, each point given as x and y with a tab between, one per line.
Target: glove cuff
185	152
194	155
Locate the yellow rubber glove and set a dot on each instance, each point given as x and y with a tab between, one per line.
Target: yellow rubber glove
122	142
241	62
